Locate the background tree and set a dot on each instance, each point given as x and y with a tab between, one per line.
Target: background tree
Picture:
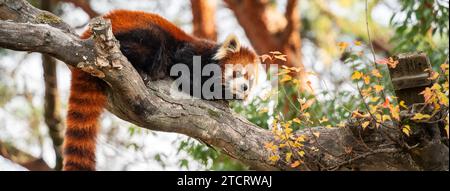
204	19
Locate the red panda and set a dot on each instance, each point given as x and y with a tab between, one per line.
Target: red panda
152	45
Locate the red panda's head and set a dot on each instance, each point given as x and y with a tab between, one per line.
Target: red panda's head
239	66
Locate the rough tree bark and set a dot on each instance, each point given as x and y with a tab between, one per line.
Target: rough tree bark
203	19
150	105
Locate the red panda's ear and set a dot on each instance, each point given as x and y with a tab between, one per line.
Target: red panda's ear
230	45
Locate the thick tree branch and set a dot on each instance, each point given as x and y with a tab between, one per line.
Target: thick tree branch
23	12
22	158
151	106
46	39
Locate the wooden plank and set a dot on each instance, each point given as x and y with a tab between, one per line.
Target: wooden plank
410	77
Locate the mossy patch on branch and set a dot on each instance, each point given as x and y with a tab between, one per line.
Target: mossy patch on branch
47	18
213	113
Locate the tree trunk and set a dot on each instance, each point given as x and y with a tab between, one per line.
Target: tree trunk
203	19
52	112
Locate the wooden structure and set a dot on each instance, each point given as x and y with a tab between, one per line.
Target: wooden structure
411	76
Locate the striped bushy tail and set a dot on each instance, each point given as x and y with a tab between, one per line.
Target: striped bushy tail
86	102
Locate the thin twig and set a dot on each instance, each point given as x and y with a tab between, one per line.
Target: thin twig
390	150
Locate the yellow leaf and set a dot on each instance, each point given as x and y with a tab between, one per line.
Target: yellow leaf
301	153
365	124
280	57
444	67
264	110
395	112
357	114
341	124
283	72
407	130
264	57
357	43
434	75
285	78
443	99
274	158
366	79
436	86
306	115
376	73
427	94
296	120
374	99
275	52
402	104
392	63
302	100
373	108
270	146
328	127
420	116
297	145
288	156
288	131
342	46
295	164
357	75
307	104
366	92
285	67
297	69
323	120
301	138
286	125
386	118
378	88
378	117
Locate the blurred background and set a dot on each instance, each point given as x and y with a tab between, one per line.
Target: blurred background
321	36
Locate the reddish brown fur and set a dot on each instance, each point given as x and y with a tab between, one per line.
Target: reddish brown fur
123	20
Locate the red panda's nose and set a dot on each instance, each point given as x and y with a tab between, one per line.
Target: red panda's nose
244	87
